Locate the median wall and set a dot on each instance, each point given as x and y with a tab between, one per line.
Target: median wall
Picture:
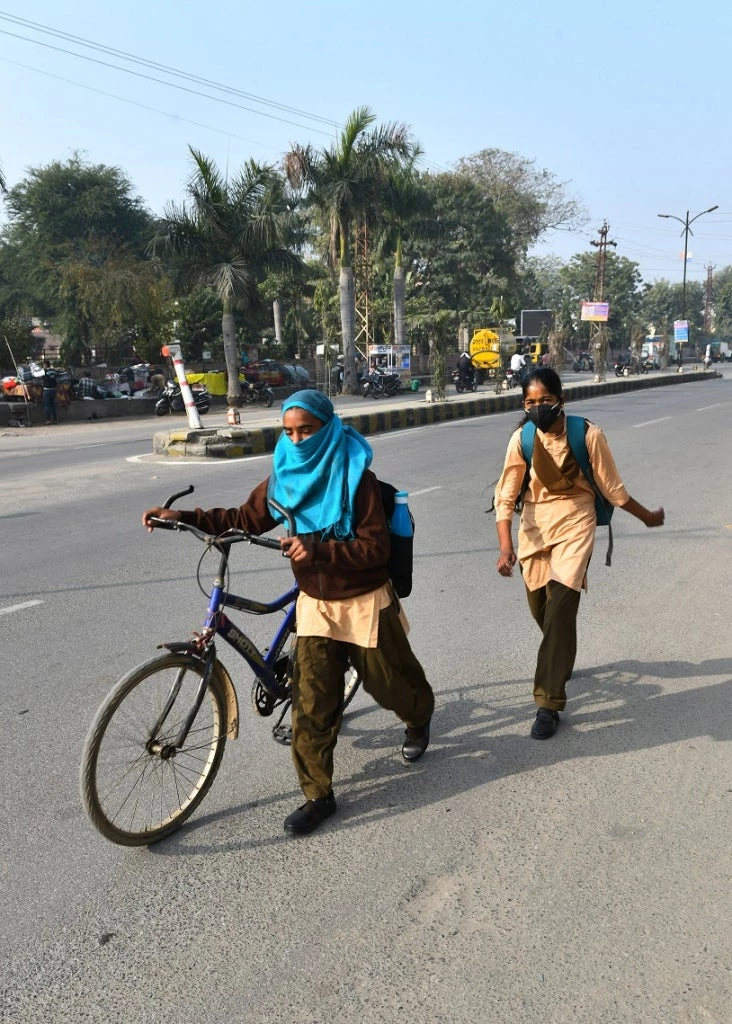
238	442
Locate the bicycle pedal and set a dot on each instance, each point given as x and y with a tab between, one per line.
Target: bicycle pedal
282	734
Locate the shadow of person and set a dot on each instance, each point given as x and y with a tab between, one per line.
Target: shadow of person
480	735
613	710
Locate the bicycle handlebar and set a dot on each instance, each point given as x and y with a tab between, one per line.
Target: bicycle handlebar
231	536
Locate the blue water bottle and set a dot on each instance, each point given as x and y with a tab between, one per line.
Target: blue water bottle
401	537
401	521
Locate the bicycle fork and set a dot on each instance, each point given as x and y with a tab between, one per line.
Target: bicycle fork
167	750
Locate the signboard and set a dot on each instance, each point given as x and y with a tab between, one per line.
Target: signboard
395	357
533	320
681	330
595	311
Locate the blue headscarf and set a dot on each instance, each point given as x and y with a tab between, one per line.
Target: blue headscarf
317	478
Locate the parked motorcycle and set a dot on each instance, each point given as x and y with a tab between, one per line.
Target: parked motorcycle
171	399
381	385
584	361
463	381
629	364
257	391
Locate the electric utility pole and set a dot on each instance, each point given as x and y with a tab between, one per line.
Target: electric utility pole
598	330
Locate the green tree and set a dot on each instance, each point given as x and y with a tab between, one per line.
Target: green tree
341	183
465	259
722	299
405	204
198	318
662	302
530	200
73	255
227	236
622	291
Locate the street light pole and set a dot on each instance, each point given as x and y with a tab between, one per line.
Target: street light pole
687	231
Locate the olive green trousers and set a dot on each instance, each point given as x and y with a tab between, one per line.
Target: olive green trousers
554	607
390	673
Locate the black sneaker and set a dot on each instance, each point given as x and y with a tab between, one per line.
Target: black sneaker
310	815
545	725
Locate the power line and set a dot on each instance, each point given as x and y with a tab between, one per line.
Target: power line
174	72
135	103
155	65
161	81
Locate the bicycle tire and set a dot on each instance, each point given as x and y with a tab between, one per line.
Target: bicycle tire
135	797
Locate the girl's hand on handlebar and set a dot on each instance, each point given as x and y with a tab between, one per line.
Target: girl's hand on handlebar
505	563
171	514
297	549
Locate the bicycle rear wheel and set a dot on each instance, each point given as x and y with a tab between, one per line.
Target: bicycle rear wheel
135	789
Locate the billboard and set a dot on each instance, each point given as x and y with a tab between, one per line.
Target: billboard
595	311
681	330
532	321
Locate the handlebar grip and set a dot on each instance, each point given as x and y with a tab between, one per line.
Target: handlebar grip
164	524
265	542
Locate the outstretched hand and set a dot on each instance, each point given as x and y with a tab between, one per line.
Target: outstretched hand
655	518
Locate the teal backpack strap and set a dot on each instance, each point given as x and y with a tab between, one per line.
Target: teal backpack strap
528	433
576	430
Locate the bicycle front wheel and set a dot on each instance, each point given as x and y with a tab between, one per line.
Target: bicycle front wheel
135	786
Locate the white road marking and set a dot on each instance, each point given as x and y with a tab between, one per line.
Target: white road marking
715	406
165	460
19	607
425	490
649	422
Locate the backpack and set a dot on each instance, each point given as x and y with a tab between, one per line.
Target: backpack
576	431
401	549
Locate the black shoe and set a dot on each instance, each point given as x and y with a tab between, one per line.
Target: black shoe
415	743
310	815
546	724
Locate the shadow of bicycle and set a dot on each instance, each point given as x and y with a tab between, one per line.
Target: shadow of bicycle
480	735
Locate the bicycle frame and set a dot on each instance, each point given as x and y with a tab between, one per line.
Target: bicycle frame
260	664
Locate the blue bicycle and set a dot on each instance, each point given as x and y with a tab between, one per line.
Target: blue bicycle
155	745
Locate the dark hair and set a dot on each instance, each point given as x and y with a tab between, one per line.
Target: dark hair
546	376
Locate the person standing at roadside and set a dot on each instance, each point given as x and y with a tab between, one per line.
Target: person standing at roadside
347	609
49	394
556	532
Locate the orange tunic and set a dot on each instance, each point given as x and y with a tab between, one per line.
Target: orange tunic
557	530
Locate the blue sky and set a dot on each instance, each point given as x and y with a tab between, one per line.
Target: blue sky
626	101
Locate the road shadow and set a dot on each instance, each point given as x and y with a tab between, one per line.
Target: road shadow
480	736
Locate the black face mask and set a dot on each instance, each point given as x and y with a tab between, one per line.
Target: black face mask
544	416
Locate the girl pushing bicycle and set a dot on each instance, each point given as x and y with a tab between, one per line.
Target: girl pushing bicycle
347	608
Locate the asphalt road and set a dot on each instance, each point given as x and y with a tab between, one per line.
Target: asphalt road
585	879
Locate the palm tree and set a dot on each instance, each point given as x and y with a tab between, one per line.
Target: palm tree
228	235
341	182
406	204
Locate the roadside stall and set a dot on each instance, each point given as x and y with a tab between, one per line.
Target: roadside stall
391	358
